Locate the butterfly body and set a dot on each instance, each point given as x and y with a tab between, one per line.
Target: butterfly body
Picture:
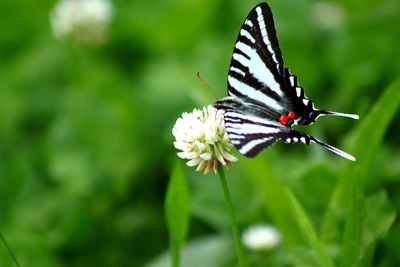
264	99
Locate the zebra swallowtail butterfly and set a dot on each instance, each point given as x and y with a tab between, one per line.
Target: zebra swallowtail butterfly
265	99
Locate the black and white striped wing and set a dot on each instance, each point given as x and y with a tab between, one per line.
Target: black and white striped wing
256	69
257	73
263	93
251	130
250	134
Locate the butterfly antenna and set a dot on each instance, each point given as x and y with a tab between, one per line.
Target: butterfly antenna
208	86
333	149
339	114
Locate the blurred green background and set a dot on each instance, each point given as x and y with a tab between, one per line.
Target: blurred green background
86	148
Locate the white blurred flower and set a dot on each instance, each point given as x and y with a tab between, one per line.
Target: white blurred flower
202	137
85	21
261	237
329	15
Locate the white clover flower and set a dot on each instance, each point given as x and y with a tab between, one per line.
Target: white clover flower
261	237
85	21
202	137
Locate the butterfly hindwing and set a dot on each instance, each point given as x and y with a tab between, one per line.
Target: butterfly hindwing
298	137
251	130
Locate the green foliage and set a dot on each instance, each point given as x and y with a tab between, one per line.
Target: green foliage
85	134
177	207
350	188
368	139
275	200
308	230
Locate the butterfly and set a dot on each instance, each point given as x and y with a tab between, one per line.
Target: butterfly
264	99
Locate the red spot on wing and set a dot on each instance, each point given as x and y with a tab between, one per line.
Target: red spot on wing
284	118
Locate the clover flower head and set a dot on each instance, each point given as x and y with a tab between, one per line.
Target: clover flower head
84	21
261	237
202	137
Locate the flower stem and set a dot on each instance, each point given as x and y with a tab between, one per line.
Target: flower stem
232	217
9	250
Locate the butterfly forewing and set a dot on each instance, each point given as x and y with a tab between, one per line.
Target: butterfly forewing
257	70
257	65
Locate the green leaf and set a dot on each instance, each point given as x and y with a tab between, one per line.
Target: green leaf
367	142
308	231
348	199
177	208
374	127
352	236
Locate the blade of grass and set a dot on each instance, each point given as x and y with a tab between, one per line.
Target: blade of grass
177	209
352	243
308	230
349	190
9	250
275	200
374	127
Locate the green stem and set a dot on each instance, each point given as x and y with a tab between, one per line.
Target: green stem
9	250
232	217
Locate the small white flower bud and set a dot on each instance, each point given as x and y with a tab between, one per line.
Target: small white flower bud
84	21
261	237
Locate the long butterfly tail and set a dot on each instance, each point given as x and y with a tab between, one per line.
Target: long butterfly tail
339	114
333	149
